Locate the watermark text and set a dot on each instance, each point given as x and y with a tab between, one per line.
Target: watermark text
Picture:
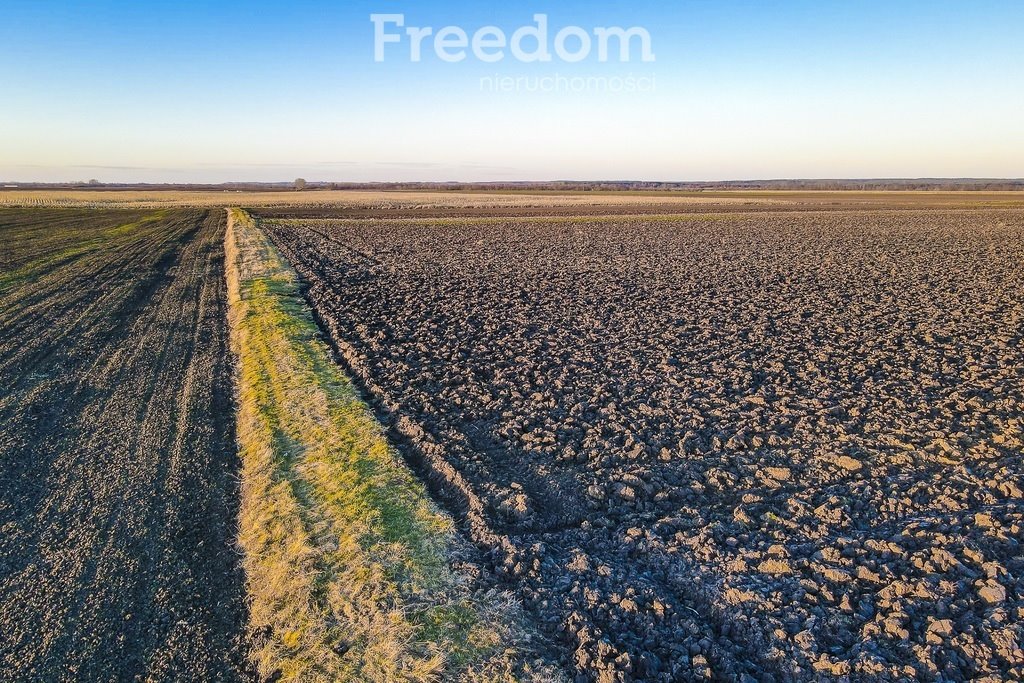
535	42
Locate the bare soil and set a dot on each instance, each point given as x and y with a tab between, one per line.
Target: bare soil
118	489
402	206
762	447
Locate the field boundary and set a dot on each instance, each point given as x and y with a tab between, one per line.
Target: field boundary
348	561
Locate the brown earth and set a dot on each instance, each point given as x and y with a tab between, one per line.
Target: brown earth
118	490
761	447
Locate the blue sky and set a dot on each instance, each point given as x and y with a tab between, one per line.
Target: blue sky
182	91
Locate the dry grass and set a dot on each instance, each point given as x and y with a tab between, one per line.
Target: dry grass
347	560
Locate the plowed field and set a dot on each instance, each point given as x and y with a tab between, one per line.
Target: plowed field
762	446
118	474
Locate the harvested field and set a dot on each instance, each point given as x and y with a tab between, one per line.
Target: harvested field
363	200
118	496
435	203
765	446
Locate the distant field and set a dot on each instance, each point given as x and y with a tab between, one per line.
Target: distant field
345	198
363	201
118	499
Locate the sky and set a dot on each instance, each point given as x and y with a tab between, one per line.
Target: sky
269	91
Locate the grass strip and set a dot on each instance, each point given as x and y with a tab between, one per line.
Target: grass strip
348	562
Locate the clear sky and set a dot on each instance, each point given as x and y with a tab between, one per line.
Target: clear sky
207	92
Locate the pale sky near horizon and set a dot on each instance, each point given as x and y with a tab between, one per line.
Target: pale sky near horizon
269	91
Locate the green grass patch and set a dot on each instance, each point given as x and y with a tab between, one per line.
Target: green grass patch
80	243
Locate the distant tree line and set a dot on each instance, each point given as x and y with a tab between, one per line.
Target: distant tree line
935	184
875	185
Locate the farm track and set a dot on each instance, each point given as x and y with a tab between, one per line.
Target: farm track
767	447
118	496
